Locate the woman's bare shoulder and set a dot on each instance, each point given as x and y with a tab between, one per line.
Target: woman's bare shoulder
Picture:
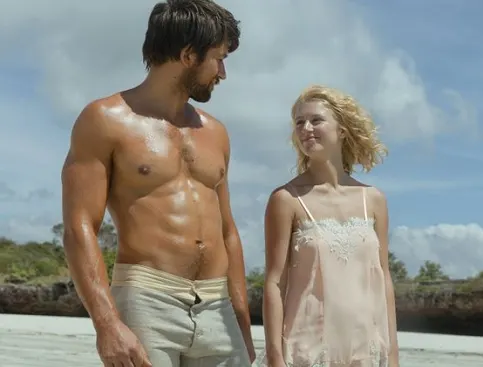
285	195
282	193
375	195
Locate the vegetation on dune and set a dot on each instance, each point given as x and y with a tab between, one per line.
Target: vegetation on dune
430	279
36	281
44	263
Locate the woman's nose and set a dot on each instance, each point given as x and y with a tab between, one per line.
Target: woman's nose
307	126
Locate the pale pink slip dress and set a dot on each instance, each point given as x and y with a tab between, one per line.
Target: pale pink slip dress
335	311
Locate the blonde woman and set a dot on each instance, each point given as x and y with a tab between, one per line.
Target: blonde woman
329	298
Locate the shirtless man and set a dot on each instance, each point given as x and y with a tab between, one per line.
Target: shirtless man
178	294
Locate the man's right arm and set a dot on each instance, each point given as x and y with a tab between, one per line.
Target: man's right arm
85	184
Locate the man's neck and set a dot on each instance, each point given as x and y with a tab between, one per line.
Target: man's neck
162	92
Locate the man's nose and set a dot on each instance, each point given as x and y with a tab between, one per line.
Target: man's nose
222	70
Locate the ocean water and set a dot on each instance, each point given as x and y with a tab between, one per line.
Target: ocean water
44	341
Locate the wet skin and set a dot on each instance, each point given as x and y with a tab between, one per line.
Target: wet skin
163	195
165	186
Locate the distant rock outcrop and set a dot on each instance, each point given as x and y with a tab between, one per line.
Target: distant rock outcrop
446	307
436	307
57	299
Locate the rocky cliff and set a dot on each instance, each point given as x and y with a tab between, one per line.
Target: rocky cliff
58	299
450	307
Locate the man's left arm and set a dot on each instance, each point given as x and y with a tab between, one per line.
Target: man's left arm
382	229
236	270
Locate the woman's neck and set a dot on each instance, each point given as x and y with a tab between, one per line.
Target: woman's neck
327	172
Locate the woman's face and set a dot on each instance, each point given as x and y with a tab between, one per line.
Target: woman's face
316	129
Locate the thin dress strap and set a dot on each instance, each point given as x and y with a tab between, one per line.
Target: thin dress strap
364	202
309	214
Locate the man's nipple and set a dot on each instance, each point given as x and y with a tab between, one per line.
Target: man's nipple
144	170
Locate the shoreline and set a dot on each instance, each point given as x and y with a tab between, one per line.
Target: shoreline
452	307
56	341
81	326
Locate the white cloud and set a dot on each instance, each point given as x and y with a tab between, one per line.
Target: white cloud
457	247
399	185
18	137
251	233
466	113
6	192
84	50
87	51
250	172
28	228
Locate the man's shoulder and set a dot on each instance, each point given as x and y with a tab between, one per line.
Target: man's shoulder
93	122
209	120
95	114
99	108
216	129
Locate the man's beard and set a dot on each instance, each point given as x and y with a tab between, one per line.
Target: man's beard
198	92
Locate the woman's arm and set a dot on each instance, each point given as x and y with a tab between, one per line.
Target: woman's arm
382	229
278	229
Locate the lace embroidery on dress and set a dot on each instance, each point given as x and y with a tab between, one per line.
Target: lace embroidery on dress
342	243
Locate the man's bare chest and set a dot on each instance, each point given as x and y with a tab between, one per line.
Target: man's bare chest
156	154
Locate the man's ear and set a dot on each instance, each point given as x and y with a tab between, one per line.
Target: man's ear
188	57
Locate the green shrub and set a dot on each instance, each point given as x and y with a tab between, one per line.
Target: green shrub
256	278
46	267
19	273
109	259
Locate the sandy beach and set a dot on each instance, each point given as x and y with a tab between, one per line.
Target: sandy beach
42	341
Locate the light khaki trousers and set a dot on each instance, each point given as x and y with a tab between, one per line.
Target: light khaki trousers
180	323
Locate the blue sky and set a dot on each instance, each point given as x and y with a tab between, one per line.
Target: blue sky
415	65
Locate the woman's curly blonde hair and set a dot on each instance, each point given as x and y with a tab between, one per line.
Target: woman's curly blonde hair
360	145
